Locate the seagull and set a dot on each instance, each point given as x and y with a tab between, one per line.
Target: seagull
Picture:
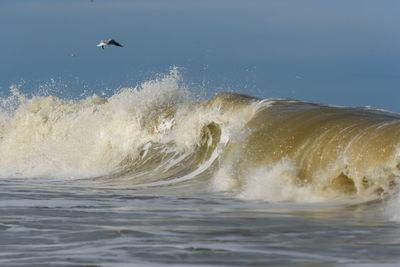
102	44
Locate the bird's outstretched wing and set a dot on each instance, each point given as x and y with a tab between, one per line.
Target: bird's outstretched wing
113	42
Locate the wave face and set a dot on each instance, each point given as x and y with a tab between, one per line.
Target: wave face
154	135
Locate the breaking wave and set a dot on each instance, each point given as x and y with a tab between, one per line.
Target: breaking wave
156	135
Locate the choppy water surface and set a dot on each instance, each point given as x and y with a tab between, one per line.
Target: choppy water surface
67	225
152	176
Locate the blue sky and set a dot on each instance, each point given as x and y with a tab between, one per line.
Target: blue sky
334	52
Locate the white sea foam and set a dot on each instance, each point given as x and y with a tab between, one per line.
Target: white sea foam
52	137
392	207
277	182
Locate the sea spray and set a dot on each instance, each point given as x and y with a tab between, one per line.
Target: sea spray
52	137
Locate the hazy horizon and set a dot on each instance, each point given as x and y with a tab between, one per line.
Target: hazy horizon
340	53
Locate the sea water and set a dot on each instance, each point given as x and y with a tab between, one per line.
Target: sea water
154	176
55	225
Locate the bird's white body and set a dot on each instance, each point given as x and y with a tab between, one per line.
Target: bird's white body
102	44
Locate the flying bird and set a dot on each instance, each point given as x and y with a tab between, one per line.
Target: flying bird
102	44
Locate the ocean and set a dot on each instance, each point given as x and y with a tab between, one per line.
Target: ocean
153	175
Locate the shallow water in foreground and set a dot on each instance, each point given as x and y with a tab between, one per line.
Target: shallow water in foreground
67	225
